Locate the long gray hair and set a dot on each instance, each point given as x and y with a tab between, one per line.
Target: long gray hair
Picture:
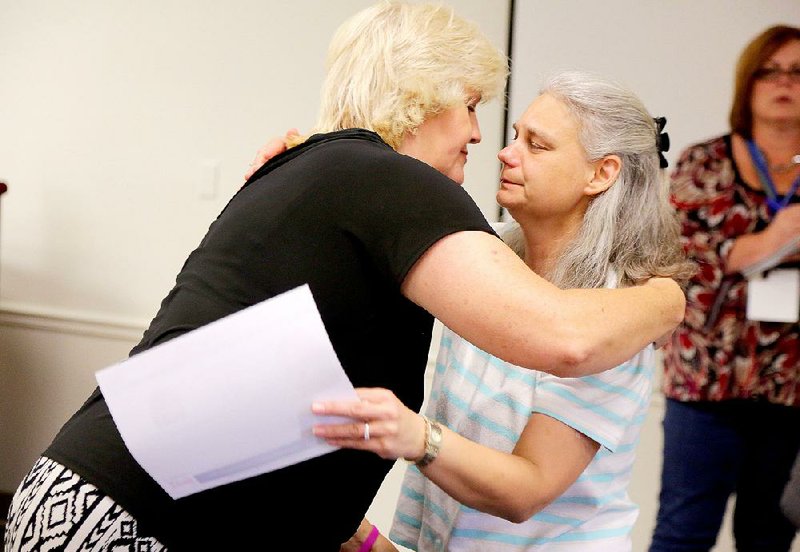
629	231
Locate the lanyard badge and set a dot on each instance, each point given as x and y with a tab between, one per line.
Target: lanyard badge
774	201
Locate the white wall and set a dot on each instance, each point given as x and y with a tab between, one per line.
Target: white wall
678	56
116	116
47	370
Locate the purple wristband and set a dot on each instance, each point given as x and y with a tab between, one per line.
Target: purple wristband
373	536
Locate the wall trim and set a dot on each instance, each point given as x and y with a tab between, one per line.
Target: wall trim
70	322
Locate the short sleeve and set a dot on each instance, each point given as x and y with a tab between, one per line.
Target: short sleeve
397	207
602	406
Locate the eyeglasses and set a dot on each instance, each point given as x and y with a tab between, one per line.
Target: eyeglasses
772	74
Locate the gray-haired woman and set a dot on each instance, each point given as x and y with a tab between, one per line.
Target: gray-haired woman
547	459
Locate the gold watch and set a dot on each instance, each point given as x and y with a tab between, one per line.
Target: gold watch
433	441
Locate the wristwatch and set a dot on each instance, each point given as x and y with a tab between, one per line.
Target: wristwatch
433	441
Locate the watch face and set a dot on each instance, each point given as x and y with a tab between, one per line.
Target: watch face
433	438
436	433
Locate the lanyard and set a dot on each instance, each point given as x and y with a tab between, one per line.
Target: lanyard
760	163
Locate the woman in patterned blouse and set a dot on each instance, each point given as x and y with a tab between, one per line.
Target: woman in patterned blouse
732	379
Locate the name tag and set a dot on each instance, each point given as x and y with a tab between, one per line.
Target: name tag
775	296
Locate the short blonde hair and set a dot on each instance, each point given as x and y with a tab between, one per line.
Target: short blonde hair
394	64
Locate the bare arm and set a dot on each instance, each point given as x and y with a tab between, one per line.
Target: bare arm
547	459
475	285
480	289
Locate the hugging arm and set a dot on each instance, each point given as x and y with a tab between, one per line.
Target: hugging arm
547	459
480	289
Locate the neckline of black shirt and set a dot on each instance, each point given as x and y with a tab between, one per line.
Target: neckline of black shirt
313	141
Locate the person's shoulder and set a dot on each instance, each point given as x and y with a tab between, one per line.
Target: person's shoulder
714	148
354	143
704	171
359	149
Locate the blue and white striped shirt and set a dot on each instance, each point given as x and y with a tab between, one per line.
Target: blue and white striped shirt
490	401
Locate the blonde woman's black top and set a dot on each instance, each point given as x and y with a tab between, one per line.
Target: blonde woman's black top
349	216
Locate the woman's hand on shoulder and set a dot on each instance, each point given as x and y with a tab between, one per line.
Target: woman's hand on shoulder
270	149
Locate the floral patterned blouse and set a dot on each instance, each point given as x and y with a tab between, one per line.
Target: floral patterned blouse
717	353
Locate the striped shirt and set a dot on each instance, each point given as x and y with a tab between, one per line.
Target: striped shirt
489	401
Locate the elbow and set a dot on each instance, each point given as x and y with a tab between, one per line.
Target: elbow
526	503
521	496
515	503
677	309
680	311
530	503
522	512
520	516
575	359
571	357
564	353
567	358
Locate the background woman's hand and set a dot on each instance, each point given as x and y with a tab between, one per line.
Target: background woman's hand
785	226
395	431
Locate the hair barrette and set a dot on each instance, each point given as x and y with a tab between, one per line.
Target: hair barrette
662	141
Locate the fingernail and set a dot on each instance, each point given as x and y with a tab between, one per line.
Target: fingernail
316	407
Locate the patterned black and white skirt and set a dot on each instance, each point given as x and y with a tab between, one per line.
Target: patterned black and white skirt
54	509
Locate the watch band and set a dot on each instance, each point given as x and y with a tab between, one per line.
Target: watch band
433	442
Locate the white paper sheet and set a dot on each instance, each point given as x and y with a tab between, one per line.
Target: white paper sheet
229	400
